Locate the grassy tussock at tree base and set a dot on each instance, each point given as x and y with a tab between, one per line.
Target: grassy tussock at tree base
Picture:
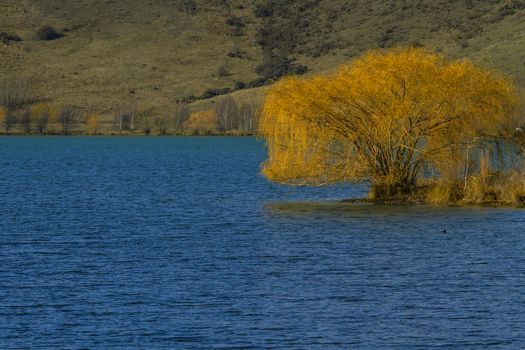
506	190
417	126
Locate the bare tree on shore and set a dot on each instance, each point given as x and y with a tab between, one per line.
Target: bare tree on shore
144	120
162	124
66	118
248	117
118	120
181	115
25	120
10	120
125	118
40	117
227	115
132	114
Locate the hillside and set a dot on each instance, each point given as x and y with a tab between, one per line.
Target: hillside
157	52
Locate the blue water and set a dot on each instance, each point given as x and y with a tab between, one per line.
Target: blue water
179	243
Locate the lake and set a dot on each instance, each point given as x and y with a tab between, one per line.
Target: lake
180	243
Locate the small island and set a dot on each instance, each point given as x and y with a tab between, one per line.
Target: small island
418	127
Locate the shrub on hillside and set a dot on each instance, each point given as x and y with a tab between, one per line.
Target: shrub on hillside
235	22
223	71
187	6
275	67
214	92
48	33
511	8
263	10
238	85
257	83
236	53
7	38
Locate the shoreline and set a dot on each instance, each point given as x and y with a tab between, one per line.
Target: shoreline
133	135
407	202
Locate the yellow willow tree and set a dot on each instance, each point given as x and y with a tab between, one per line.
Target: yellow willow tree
386	117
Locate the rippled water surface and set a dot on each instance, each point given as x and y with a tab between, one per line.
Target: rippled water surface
179	243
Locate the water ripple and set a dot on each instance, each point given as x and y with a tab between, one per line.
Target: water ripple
164	243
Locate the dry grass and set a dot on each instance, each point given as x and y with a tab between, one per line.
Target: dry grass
156	51
443	192
506	189
202	121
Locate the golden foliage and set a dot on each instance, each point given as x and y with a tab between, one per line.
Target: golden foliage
92	124
3	114
53	115
386	117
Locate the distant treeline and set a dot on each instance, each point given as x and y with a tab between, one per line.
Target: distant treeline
20	114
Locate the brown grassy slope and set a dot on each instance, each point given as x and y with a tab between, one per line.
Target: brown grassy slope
158	51
112	48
